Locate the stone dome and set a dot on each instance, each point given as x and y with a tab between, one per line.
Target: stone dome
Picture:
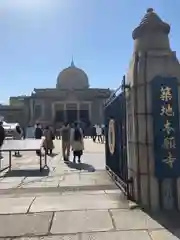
72	78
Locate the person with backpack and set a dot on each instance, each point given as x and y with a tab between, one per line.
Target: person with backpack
65	134
77	142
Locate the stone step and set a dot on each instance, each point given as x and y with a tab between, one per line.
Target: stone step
81	181
37	190
64	201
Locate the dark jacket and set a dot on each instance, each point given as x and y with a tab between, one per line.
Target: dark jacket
2	135
65	133
38	133
93	131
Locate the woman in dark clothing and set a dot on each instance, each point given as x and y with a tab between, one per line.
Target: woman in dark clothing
38	135
17	136
38	132
94	135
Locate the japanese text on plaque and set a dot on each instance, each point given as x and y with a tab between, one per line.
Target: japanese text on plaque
169	141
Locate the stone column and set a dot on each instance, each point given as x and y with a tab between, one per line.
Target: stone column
152	58
90	111
78	113
52	111
43	110
31	110
65	115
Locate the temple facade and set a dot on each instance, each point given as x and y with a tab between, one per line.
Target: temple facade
71	100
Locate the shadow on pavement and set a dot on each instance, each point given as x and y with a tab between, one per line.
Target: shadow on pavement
53	155
27	173
81	166
170	220
17	156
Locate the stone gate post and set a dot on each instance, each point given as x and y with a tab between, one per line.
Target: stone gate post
153	102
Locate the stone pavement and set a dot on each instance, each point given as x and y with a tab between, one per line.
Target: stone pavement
26	175
78	202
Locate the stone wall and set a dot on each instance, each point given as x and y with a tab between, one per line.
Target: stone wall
12	115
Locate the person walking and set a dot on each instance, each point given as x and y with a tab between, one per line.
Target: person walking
2	137
17	136
65	134
77	142
48	141
94	133
103	133
99	133
38	133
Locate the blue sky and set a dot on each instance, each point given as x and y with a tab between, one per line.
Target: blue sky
39	37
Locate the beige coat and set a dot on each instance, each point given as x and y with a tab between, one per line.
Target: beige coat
48	142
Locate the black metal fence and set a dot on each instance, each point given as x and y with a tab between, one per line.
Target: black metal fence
116	141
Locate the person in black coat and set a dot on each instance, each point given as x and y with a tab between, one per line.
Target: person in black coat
38	132
2	136
38	135
94	135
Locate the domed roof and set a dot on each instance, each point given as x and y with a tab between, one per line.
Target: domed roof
72	78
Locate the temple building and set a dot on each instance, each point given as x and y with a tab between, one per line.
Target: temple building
71	100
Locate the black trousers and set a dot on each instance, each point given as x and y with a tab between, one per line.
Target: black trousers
94	138
38	152
100	139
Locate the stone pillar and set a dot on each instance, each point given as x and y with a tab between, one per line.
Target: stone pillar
90	111
65	115
31	111
78	111
152	60
43	110
53	111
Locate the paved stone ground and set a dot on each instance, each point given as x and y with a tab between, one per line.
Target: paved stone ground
78	202
25	171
